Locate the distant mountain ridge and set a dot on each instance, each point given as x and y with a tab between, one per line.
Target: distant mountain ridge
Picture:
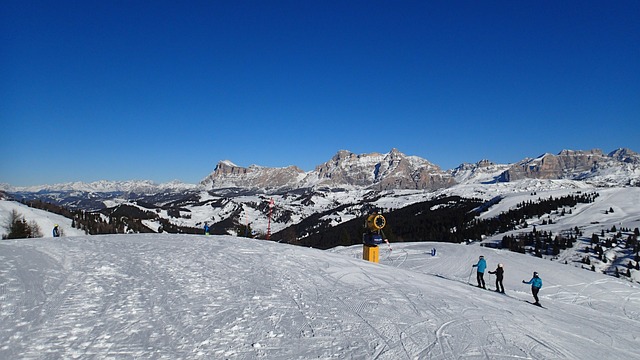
101	186
376	171
395	170
228	175
338	191
593	165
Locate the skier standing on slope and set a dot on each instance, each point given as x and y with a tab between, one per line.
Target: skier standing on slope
499	275
536	284
56	231
482	266
206	229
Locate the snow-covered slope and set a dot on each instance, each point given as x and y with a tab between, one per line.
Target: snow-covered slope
196	297
44	219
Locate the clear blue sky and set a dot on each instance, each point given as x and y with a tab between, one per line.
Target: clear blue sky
163	90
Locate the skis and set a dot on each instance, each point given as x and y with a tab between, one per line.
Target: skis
509	296
480	287
538	305
488	289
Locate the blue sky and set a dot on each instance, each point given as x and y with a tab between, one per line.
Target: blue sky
163	90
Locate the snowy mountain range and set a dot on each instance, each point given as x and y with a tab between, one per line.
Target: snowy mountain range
102	186
395	170
347	170
338	191
620	167
375	171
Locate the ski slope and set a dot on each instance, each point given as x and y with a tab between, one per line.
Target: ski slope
44	219
165	296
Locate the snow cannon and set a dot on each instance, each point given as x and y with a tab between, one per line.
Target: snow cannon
373	236
376	222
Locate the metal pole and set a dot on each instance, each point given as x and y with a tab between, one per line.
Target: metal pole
269	225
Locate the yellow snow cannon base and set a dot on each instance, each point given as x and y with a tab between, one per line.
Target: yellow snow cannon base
371	253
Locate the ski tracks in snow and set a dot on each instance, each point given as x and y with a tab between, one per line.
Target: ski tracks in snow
193	297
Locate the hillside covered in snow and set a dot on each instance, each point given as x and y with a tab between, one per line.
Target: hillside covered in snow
614	208
326	216
201	297
43	219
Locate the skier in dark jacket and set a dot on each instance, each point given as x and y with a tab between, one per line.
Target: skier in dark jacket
56	231
536	284
482	266
499	276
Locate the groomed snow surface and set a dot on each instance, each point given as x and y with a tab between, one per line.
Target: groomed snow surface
221	297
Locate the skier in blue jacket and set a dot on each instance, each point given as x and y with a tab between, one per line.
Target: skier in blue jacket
482	266
536	284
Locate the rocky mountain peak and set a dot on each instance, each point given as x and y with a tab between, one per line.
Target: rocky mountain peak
482	171
393	170
228	175
566	152
341	155
569	164
484	163
227	167
625	155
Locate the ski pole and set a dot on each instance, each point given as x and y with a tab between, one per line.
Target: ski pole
469	279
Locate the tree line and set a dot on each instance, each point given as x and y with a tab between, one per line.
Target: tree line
445	219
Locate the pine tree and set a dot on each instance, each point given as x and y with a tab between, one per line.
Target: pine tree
16	226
